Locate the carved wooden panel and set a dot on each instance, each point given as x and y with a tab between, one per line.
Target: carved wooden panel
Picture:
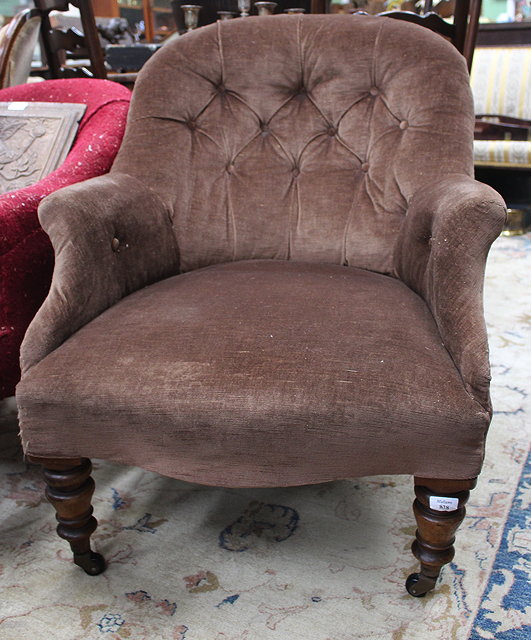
35	138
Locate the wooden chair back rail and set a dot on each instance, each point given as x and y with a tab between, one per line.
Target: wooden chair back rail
472	31
462	33
429	20
56	41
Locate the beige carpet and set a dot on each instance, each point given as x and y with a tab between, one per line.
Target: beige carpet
325	562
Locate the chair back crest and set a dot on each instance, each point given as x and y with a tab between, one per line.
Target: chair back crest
298	137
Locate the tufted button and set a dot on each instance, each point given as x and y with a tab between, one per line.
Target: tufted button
301	90
295	171
374	91
192	124
332	131
404	124
230	167
264	129
365	167
115	244
221	89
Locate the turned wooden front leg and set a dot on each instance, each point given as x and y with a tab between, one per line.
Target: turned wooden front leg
69	488
439	510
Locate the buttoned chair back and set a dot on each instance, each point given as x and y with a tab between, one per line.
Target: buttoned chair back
297	140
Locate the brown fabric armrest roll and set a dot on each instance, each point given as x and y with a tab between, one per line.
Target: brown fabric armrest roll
441	253
111	235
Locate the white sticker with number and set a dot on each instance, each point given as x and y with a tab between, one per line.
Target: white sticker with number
438	503
17	106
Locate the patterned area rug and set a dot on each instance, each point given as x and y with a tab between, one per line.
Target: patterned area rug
325	562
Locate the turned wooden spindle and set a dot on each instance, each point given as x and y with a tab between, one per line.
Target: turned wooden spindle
69	489
439	509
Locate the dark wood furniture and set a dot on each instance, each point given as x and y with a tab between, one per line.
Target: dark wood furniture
499	127
156	15
57	44
504	33
462	33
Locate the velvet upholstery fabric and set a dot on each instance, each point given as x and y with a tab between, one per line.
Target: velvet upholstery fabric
26	255
292	205
257	372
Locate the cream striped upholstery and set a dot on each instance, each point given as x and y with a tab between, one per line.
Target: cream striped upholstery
501	84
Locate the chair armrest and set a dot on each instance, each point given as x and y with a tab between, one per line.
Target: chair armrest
441	253
111	235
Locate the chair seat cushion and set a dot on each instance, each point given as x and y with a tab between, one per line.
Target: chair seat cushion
259	373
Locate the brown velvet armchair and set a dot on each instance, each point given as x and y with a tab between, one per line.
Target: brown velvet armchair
279	282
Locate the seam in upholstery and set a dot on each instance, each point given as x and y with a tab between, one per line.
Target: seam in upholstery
286	102
155	117
220	51
330	124
238	153
230	221
191	197
348	224
387	132
294	185
384	102
205	107
370	143
347	148
207	135
375	51
240	99
299	48
84	122
289	157
317	135
357	101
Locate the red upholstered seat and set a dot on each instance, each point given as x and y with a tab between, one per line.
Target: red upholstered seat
26	256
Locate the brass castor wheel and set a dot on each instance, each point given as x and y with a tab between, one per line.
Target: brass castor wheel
418	585
92	563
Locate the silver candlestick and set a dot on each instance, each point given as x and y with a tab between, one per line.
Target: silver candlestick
265	8
295	11
191	15
244	7
226	15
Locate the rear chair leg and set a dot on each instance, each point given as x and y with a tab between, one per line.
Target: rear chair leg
69	489
439	510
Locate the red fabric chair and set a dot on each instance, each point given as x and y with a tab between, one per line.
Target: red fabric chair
26	256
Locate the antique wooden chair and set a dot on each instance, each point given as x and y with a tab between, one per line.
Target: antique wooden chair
461	32
57	43
281	279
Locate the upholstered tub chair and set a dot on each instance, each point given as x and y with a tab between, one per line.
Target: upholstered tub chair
280	280
26	255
